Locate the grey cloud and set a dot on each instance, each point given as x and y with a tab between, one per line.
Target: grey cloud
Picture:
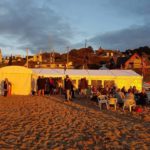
33	24
139	8
129	37
132	37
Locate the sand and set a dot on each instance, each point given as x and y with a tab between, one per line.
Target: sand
33	122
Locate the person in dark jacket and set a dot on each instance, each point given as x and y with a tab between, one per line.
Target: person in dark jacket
83	86
68	86
6	86
43	82
39	88
142	100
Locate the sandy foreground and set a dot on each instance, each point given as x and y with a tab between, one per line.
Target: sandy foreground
32	122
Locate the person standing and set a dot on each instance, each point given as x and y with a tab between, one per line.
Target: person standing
68	86
43	81
47	86
72	90
142	98
6	86
9	88
60	85
51	86
39	88
83	86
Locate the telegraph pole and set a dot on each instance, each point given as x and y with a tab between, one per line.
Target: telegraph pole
53	56
67	56
85	43
27	50
50	59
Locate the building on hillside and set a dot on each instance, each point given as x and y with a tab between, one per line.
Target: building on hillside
6	60
58	65
16	58
37	58
146	60
107	53
132	62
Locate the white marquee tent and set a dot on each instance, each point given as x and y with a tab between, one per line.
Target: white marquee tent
24	80
121	78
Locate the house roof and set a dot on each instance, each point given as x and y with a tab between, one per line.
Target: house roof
121	61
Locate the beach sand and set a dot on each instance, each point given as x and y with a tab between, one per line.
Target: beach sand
33	122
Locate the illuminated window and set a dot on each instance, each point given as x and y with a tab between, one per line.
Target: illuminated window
96	83
109	83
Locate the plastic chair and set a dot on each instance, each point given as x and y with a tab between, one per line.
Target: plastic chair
130	103
113	101
102	99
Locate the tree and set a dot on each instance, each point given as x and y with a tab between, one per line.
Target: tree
10	61
91	49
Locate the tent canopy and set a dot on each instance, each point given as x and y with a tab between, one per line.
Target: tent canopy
15	69
23	79
85	72
121	78
19	77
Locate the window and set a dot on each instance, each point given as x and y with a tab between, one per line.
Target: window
109	83
79	81
96	83
131	64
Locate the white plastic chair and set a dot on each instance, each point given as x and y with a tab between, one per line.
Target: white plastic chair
113	101
130	103
102	99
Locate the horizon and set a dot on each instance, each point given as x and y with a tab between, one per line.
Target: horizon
55	51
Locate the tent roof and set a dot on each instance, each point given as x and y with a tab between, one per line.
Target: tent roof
84	72
15	69
56	72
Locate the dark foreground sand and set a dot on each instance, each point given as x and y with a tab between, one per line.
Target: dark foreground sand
32	122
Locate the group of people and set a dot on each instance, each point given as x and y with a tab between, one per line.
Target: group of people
55	86
70	88
48	86
122	95
51	86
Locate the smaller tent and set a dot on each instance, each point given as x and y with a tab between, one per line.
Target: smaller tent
19	77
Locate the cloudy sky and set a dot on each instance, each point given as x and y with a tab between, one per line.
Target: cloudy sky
56	24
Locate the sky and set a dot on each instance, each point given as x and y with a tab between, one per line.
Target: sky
48	25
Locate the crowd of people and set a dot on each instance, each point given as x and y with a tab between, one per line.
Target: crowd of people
70	89
122	95
55	86
58	86
52	86
49	86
